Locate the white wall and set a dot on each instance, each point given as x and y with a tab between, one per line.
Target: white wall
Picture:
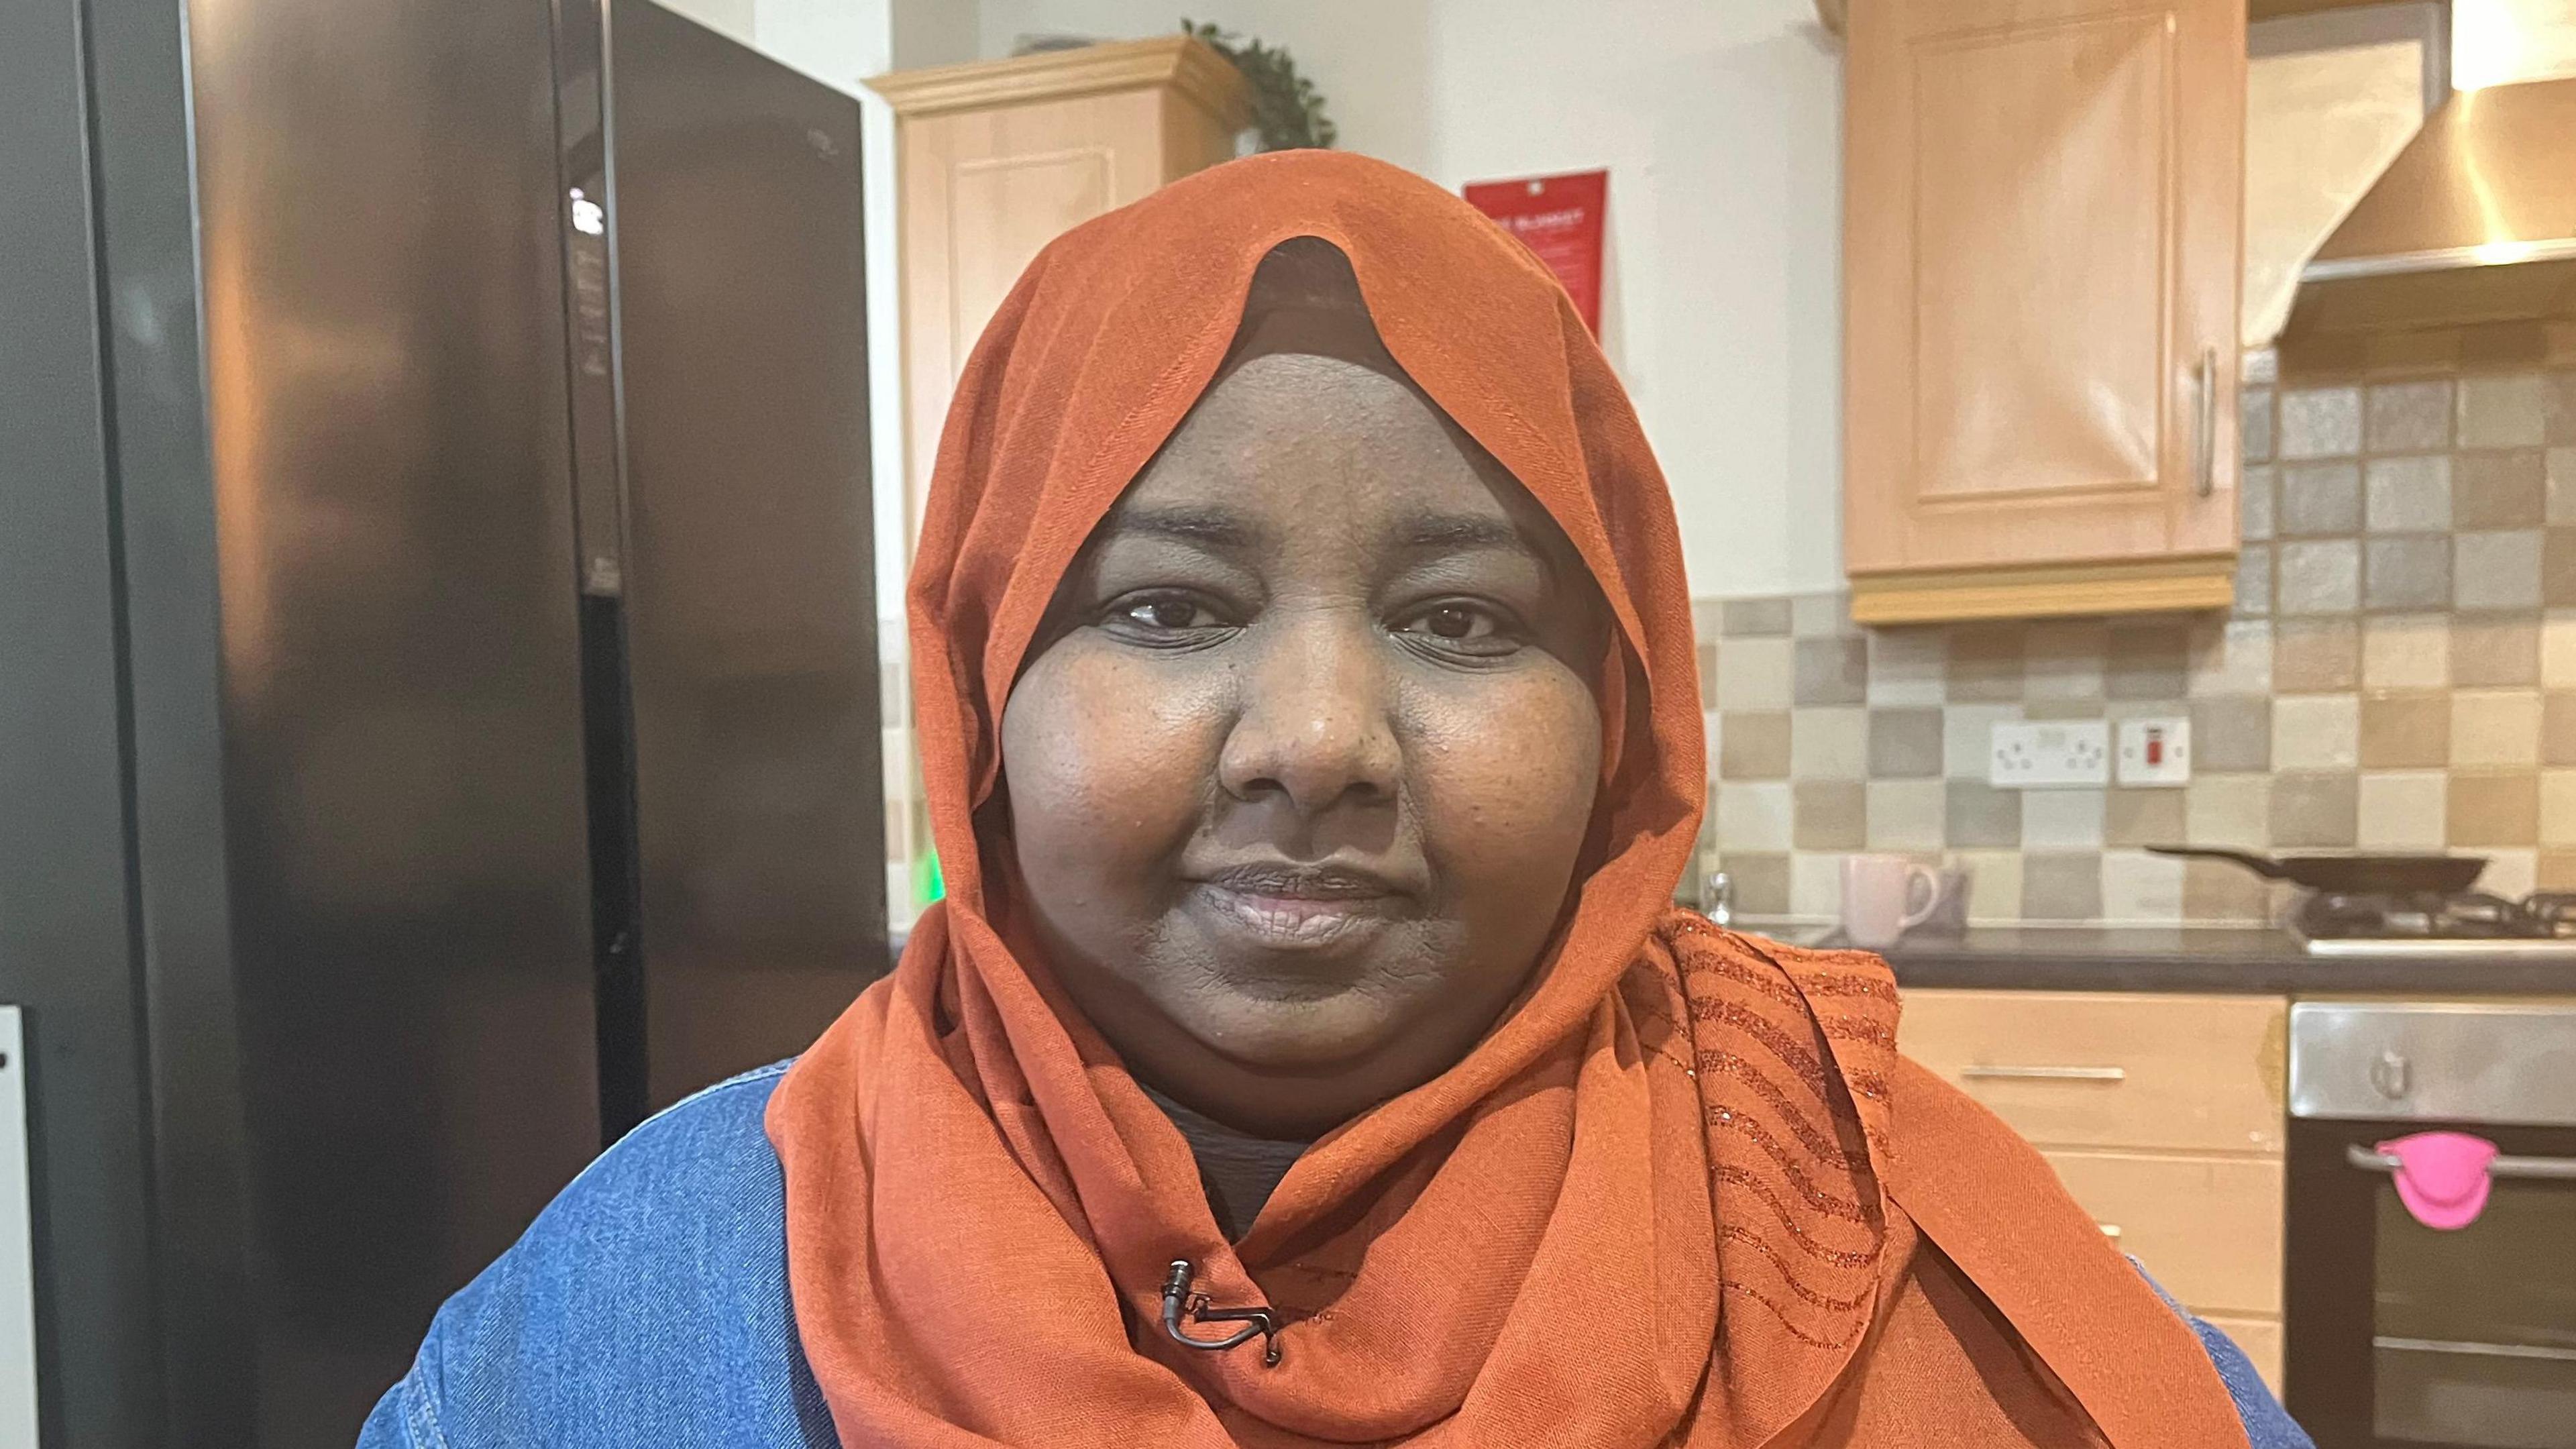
1720	124
733	17
839	41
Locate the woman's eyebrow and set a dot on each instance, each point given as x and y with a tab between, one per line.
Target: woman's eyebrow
1460	531
1210	527
1219	529
1438	534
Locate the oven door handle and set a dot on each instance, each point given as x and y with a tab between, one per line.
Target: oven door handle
2505	1166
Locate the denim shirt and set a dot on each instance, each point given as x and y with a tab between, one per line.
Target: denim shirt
648	1305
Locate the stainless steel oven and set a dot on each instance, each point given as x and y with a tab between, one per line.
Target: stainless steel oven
2399	1334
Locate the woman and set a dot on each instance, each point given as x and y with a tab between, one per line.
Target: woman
1307	1052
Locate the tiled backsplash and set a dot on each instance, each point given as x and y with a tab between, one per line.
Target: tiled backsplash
2399	672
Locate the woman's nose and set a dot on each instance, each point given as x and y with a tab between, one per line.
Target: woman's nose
1313	718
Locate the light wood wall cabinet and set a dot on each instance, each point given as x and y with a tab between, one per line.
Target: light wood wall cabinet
995	159
2041	262
2163	1116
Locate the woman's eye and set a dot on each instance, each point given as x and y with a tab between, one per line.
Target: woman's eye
1166	613
1451	621
1460	624
1163	614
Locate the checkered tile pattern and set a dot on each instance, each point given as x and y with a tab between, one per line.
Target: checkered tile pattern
2399	673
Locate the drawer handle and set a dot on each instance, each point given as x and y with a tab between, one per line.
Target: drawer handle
2045	1074
2110	1230
2505	1166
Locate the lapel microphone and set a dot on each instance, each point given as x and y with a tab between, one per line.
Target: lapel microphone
1178	1301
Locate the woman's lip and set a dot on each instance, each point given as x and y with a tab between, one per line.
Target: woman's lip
1321	881
1297	922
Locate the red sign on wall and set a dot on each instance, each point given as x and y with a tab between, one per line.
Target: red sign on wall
1558	217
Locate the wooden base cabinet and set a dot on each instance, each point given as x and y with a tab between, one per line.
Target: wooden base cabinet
2163	1115
2041	263
2208	1228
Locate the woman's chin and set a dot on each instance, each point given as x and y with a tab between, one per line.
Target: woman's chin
1299	1032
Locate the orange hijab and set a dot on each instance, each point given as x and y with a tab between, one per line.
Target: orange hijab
1663	1202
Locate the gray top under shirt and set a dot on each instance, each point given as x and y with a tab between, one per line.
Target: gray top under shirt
1239	1170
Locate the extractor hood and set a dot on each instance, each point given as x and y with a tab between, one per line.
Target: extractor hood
2473	223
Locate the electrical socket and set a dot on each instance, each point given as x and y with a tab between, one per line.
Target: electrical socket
2035	755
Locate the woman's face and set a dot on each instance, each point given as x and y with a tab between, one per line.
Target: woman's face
1301	764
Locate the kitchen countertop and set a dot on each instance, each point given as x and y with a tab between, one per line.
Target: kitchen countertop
2078	958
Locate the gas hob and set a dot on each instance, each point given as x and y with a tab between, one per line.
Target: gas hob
2471	923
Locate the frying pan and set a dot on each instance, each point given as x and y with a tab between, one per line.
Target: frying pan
2352	875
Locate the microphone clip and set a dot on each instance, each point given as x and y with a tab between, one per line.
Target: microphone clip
1179	1301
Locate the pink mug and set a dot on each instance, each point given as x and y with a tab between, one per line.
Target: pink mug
1880	898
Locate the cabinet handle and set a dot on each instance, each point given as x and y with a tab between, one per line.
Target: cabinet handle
2507	1165
2204	442
2046	1074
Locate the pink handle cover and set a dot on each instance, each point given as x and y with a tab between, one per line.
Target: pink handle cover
2442	1176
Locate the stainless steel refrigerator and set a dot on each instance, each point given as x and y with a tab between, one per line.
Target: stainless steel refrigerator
438	676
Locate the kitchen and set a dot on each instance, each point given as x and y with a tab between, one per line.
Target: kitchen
2254	532
2249	534
2243	536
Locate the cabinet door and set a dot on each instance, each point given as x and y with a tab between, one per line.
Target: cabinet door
2207	1228
982	191
2041	262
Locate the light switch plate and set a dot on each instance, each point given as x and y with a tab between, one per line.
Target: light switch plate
2155	752
2050	753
